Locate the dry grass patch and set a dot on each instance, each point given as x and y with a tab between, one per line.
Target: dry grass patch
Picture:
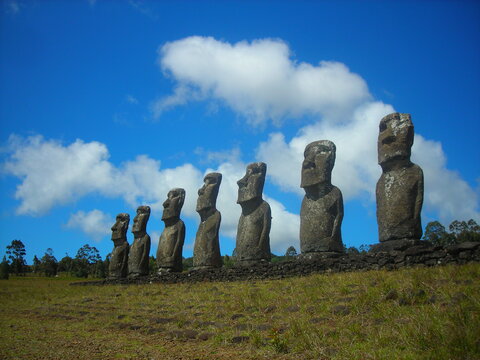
421	313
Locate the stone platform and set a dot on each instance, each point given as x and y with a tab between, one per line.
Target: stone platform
419	255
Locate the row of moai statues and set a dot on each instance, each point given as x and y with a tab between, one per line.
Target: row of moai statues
399	194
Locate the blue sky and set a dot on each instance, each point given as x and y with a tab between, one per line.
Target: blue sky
106	105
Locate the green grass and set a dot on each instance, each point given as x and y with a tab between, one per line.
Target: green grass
417	313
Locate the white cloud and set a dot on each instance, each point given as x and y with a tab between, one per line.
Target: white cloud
259	80
285	228
131	99
446	192
96	224
356	170
54	174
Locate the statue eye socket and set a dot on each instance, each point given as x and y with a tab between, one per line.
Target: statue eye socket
383	126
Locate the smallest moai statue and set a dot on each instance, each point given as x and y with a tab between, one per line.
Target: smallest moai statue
138	259
253	232
170	245
118	267
321	214
399	190
206	252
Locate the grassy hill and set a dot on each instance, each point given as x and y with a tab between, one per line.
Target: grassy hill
415	313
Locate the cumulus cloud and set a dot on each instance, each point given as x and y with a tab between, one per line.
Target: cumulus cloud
285	228
54	174
257	79
96	224
261	81
446	192
356	170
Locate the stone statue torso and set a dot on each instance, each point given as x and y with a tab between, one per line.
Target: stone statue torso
320	222
399	201
118	266
253	240
207	248
138	257
169	252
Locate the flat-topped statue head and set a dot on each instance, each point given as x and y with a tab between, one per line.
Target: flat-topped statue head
173	205
119	229
395	139
207	194
140	220
251	185
318	164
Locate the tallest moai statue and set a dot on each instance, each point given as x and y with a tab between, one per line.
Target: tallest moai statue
400	187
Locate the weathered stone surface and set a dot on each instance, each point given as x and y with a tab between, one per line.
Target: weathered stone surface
321	214
469	245
138	259
118	267
400	187
170	245
206	252
253	232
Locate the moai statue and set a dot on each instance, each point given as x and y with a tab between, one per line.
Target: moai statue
118	267
253	233
206	252
400	187
138	259
321	214
170	245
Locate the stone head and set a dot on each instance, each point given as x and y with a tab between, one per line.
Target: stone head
207	194
318	164
173	205
395	138
119	229
251	185
141	219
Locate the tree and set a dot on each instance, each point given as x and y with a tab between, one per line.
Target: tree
352	250
86	257
187	263
65	264
436	234
36	264
152	265
4	269
465	231
364	248
49	263
460	231
16	254
291	252
89	253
